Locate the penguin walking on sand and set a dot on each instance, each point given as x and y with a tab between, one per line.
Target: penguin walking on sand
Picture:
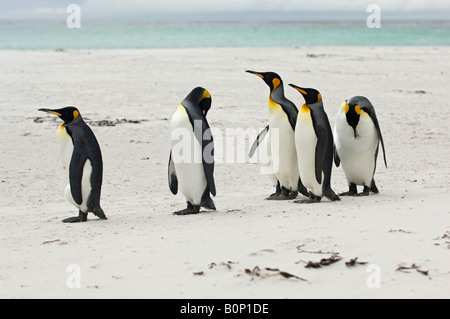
314	143
282	120
191	162
81	158
357	136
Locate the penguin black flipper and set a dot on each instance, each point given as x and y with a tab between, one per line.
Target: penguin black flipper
373	116
321	148
258	141
208	157
173	180
291	110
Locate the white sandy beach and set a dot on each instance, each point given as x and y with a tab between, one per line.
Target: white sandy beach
143	251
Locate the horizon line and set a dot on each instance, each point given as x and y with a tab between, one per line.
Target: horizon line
251	16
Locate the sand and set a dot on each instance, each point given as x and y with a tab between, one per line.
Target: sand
143	251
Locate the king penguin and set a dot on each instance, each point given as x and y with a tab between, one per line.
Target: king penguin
282	120
314	142
191	161
81	158
357	136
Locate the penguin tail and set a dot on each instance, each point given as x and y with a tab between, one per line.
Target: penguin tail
98	211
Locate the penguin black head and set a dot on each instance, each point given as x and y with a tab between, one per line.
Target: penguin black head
201	97
272	79
205	103
362	101
311	96
352	110
67	114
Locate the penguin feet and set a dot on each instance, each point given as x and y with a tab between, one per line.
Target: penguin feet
366	192
312	200
98	211
285	195
303	190
352	191
292	195
190	210
82	218
348	194
278	192
278	189
272	197
374	187
331	195
334	198
208	203
277	197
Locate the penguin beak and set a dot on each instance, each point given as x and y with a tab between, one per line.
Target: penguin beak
301	90
50	111
256	73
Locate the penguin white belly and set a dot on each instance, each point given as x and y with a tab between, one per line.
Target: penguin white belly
357	154
86	188
282	145
187	158
305	142
65	148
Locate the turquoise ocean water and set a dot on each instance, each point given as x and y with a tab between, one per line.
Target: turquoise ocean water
52	35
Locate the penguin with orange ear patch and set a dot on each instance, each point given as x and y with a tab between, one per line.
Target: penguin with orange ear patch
281	129
357	137
81	158
314	143
191	161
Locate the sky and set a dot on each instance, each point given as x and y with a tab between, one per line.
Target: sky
116	9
